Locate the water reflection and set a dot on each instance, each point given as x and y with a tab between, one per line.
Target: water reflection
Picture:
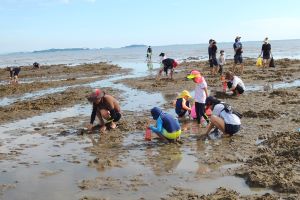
150	65
163	159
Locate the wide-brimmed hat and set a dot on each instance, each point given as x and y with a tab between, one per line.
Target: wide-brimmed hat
184	93
94	96
196	76
238	37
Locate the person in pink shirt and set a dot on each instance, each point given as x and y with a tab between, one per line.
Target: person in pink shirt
201	93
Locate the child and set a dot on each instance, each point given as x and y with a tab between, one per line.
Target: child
200	95
221	61
167	127
234	83
182	104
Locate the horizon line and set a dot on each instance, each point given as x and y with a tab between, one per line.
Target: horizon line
99	48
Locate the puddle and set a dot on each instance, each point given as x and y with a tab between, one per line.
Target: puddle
158	167
280	85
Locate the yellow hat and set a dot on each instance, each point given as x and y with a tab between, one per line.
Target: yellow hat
184	93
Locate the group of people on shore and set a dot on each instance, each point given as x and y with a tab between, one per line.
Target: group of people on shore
223	118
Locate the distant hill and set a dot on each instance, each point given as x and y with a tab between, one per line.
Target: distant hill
135	45
66	49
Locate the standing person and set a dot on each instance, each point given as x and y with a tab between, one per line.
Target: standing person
182	103
105	107
234	83
222	61
149	53
14	73
215	64
167	127
266	52
238	58
201	93
223	117
210	53
168	65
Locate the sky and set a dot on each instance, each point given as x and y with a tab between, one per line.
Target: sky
28	25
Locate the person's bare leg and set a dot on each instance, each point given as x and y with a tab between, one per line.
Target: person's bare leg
242	69
218	122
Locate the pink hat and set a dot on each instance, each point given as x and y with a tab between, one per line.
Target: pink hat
97	94
196	76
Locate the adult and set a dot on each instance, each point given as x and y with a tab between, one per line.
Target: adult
168	65
182	104
105	107
213	58
14	74
149	53
234	83
167	127
223	118
238	58
266	52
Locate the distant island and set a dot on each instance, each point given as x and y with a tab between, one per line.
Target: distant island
66	49
135	45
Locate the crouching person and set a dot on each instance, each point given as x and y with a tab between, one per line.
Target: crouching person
106	108
182	104
167	127
223	117
234	83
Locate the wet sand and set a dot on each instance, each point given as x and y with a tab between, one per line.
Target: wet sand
119	164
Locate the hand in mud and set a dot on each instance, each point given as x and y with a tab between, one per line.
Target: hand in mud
102	129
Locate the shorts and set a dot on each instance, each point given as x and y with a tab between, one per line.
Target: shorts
238	88
266	56
238	59
213	62
171	136
232	129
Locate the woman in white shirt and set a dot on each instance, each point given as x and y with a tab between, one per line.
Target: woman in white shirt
234	83
222	117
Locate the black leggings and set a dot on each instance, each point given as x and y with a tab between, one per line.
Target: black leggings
200	112
238	88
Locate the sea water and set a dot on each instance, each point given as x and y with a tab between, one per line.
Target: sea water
280	49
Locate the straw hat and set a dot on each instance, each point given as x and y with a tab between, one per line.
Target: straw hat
184	93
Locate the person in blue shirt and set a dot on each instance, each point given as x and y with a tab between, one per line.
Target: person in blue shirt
167	127
238	51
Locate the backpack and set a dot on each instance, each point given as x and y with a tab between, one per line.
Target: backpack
229	109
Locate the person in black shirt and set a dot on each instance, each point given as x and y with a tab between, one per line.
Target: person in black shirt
266	52
213	58
168	65
14	73
149	53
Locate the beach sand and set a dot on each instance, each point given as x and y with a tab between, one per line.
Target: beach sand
265	153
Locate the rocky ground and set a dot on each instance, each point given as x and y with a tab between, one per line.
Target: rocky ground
266	150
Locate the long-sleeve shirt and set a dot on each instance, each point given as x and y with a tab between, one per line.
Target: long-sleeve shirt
159	126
